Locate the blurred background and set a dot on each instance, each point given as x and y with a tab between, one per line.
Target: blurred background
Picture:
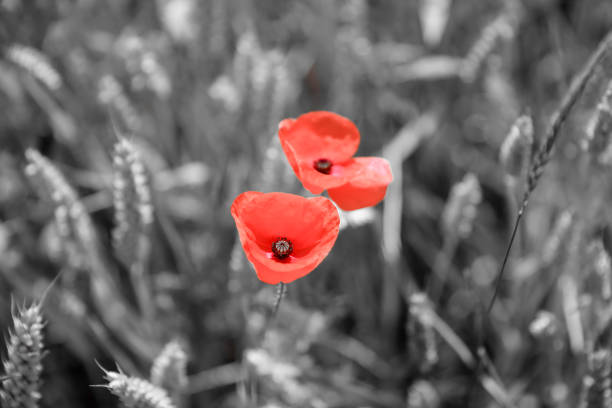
127	128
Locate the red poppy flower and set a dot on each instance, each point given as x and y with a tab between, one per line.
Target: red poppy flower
285	236
320	148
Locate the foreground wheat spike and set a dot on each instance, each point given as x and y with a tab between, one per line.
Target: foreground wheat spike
597	386
22	368
135	392
169	369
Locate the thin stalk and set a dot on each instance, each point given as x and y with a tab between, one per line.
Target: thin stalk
141	280
280	292
543	155
489	380
441	268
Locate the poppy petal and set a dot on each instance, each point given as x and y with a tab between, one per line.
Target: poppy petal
320	134
315	136
368	185
311	224
316	182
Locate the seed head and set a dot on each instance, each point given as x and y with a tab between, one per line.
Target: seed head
597	387
500	29
36	63
282	248
323	166
169	368
136	392
515	152
460	211
544	325
602	266
112	95
131	199
422	394
71	215
23	367
599	129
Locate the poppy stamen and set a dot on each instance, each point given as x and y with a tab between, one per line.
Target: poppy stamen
282	248
323	166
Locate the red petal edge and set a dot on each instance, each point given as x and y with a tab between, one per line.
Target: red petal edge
367	187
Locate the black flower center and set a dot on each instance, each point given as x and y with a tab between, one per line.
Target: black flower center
282	248
323	166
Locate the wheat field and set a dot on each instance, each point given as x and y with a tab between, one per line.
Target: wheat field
128	128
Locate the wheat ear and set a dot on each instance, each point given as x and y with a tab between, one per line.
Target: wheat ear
135	392
597	389
169	370
23	366
542	157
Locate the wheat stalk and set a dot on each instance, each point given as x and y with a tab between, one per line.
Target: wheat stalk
219	21
133	218
457	223
543	154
